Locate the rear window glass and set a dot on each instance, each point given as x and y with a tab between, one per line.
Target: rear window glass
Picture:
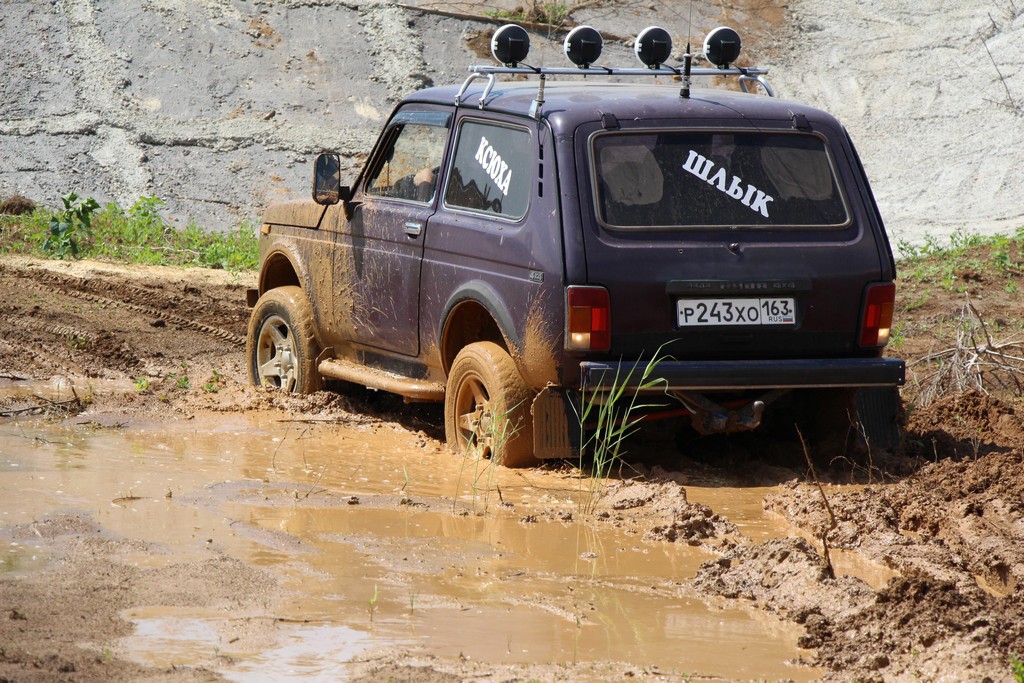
491	172
715	179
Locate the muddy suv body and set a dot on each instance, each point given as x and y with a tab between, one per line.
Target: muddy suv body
510	256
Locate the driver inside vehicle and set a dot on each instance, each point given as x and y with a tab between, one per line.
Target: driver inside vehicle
411	167
425	181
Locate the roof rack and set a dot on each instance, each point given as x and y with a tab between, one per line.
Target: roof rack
511	43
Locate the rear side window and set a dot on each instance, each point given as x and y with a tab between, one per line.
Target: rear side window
688	179
491	170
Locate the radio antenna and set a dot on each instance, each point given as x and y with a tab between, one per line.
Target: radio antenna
688	57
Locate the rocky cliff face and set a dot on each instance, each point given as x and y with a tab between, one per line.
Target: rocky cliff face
932	93
216	106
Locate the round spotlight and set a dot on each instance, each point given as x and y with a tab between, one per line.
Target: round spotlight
722	46
583	46
510	44
653	46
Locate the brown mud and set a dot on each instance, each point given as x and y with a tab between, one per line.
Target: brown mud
161	520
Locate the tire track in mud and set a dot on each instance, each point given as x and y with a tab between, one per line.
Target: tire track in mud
103	346
66	331
45	358
81	288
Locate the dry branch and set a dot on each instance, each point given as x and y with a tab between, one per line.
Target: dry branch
975	362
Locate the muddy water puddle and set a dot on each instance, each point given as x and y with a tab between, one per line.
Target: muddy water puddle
380	540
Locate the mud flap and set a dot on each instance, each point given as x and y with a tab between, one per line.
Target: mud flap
556	432
878	413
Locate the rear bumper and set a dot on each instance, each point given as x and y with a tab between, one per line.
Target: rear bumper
749	374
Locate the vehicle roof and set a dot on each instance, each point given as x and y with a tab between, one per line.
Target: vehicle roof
568	104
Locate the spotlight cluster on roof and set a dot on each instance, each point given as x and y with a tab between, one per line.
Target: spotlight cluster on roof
510	47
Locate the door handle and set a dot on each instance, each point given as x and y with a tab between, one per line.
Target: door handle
413	229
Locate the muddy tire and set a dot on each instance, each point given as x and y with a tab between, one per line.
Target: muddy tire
487	407
281	346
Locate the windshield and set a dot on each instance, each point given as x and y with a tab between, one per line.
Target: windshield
690	179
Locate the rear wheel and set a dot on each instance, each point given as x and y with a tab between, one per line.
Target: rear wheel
281	346
487	407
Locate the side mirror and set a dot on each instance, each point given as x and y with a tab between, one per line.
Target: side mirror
327	187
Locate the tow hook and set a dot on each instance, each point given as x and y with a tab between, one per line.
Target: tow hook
746	418
709	417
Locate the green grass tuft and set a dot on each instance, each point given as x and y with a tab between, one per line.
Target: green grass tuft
964	256
1017	667
136	235
609	416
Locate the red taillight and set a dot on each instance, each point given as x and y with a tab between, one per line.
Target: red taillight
588	319
878	305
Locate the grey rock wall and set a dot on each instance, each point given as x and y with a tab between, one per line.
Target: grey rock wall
217	106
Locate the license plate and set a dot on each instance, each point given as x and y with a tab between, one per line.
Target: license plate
714	312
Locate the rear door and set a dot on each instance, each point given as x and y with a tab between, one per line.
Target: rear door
736	242
495	241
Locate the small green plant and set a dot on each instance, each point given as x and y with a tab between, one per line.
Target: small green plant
611	413
212	385
146	211
142	385
550	13
918	301
373	601
77	342
182	381
897	336
497	431
1017	667
70	226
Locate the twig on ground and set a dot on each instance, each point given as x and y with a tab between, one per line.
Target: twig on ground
831	515
319	477
48	404
280	443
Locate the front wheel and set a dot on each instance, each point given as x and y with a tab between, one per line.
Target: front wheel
281	346
487	407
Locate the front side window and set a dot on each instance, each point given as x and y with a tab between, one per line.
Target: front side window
411	163
491	172
690	179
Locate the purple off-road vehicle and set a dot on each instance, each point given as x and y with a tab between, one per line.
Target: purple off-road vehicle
523	250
